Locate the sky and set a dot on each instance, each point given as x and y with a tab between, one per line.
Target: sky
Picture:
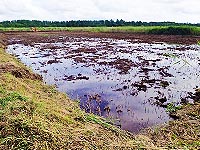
183	11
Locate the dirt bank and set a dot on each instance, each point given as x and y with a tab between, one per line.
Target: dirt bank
29	37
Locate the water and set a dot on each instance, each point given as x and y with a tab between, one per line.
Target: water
127	82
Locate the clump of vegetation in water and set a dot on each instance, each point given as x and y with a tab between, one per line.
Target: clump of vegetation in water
171	108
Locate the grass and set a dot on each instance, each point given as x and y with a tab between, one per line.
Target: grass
171	108
182	133
89	29
177	30
10	97
36	116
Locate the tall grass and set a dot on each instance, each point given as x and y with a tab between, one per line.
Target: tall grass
173	30
88	29
176	30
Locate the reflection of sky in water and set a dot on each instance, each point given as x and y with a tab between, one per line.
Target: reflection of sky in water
132	108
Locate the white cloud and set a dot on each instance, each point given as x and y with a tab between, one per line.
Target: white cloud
112	5
136	10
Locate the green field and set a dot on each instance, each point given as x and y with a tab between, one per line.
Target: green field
186	30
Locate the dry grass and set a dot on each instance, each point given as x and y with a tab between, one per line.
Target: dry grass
183	133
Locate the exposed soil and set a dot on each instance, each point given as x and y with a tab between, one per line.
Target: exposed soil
2	40
18	72
30	37
197	96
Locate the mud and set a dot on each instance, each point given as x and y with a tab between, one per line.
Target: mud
2	40
28	38
18	72
127	78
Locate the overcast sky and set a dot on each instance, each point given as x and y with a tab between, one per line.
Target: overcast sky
129	10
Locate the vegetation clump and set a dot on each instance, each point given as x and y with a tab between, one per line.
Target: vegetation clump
173	30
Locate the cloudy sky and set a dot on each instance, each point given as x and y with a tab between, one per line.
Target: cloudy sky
129	10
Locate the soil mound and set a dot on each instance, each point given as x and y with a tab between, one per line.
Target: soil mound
18	72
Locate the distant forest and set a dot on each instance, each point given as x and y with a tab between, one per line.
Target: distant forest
86	23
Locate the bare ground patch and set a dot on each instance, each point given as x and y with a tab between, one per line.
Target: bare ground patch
18	72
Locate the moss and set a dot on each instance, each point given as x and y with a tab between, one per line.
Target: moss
37	116
13	96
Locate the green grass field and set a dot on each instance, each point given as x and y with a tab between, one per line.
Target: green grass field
191	30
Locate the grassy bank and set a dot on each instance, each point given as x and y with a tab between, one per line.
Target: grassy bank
88	29
182	133
182	30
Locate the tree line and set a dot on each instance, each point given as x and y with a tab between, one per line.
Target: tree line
87	23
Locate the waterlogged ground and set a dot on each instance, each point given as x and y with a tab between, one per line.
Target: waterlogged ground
128	81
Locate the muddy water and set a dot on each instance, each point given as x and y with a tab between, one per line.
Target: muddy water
128	82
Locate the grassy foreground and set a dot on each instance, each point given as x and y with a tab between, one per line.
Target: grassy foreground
36	116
